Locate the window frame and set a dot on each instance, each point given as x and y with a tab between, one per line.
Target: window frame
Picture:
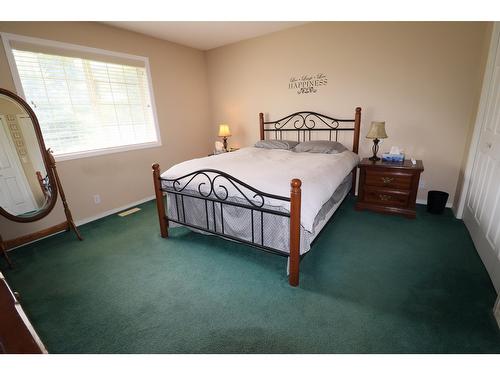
8	37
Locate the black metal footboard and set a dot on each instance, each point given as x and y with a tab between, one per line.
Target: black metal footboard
212	187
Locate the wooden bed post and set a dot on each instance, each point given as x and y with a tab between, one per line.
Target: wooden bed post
295	198
357	128
261	122
160	201
40	182
355	145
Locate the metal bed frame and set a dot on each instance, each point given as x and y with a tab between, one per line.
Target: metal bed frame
209	185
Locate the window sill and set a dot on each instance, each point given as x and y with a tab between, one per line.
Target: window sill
105	151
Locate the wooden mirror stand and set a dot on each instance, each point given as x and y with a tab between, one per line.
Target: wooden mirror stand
29	181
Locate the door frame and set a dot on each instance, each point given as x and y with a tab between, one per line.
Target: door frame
480	119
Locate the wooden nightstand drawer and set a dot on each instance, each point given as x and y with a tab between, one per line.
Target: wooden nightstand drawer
386	197
394	180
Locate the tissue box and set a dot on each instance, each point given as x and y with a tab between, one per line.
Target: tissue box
393	158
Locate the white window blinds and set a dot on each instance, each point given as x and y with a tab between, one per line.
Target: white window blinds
86	105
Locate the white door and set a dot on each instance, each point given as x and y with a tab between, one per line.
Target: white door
15	194
482	205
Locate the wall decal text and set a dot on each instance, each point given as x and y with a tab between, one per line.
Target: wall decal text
307	84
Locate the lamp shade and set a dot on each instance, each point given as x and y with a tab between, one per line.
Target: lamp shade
377	130
224	130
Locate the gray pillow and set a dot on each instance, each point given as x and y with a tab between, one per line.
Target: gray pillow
320	147
276	144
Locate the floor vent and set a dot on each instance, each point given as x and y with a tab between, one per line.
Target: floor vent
128	212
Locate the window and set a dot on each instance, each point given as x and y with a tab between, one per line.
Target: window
87	101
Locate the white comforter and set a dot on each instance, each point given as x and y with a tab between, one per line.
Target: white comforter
271	171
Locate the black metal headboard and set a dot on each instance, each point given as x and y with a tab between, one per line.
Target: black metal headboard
306	122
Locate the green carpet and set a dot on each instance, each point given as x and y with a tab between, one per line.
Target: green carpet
371	284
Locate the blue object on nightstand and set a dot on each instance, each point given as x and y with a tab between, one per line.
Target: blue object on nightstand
393	158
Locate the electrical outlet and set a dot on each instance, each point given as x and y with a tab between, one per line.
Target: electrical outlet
421	183
97	199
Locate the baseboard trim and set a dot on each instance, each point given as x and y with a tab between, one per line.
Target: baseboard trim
424	201
113	211
496	311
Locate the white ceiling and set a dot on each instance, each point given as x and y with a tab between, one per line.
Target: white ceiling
204	35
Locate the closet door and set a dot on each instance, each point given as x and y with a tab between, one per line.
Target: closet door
482	208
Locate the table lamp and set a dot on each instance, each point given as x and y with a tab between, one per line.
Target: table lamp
224	132
377	132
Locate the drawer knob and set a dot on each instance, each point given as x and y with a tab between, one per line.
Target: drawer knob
387	180
384	197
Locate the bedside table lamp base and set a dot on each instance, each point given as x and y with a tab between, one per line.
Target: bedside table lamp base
375	150
224	142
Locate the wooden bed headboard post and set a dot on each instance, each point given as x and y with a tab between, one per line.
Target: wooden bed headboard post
355	145
261	122
357	128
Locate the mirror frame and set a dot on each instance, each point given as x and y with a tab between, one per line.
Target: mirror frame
47	161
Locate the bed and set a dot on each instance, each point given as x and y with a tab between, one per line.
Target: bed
275	200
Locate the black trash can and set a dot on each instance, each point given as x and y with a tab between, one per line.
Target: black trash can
436	201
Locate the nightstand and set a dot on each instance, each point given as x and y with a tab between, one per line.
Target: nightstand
389	187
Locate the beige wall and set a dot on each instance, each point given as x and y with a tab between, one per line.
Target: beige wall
421	78
180	88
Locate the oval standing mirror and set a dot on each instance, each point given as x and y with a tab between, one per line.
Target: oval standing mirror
29	183
28	190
